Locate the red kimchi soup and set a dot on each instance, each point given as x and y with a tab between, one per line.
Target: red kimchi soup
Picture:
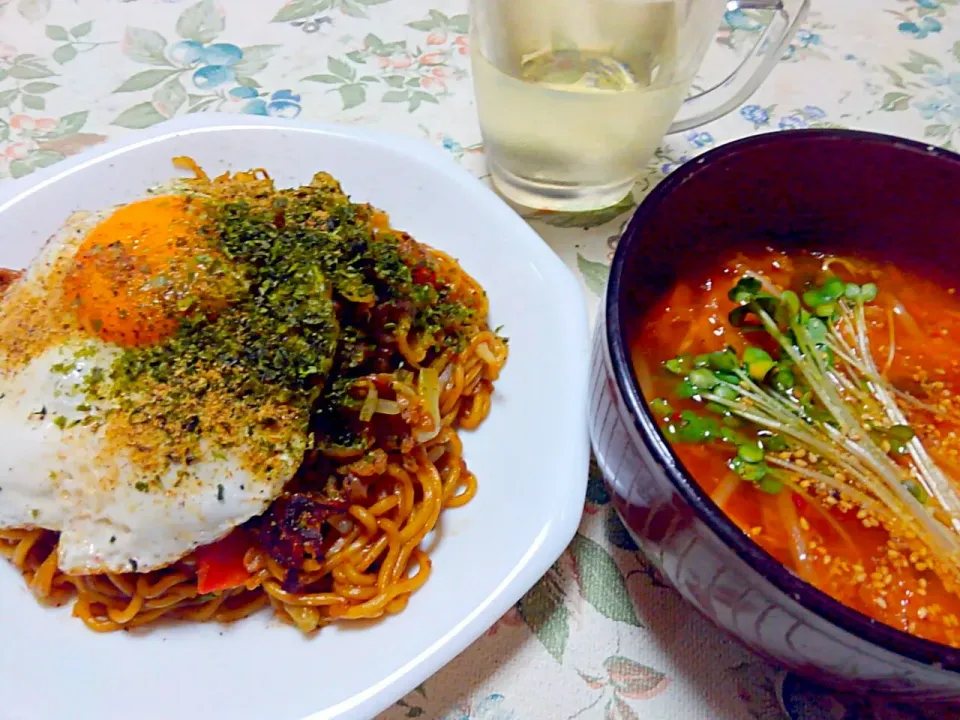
817	400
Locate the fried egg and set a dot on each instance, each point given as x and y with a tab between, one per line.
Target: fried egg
126	490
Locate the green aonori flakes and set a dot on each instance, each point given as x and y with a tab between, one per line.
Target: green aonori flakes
320	287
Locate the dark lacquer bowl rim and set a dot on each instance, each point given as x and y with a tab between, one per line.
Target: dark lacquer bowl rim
854	622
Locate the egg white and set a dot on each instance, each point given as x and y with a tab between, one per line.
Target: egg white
57	471
59	474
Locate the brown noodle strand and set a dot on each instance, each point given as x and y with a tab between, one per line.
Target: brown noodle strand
355	593
354	576
151	591
469	485
386	569
42	582
124	583
95	592
346	555
405	488
382	506
375	606
245	609
363	515
315	600
169	600
373	552
26	544
206	611
122	617
397	604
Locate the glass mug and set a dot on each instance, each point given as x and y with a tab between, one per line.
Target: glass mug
574	96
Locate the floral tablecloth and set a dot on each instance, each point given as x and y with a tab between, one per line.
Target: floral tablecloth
600	636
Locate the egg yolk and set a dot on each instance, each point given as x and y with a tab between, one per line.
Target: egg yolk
145	268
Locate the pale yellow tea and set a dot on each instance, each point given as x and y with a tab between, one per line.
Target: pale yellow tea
575	96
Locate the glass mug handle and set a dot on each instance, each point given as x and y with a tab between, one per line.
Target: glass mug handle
752	70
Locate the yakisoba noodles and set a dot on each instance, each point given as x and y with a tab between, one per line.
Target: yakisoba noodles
408	361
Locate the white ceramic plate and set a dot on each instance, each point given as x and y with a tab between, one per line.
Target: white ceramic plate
530	455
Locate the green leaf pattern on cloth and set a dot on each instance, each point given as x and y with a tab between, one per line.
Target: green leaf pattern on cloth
594	274
601	581
201	22
542	609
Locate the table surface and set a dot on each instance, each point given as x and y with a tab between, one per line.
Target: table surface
600	636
